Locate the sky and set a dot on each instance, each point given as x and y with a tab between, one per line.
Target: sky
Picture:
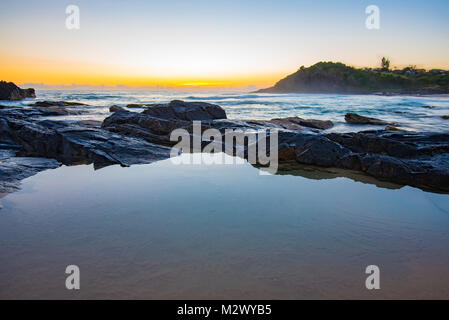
210	43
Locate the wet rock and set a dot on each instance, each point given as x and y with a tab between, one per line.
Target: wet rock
91	123
126	138
70	143
9	91
136	106
8	149
58	108
358	119
116	108
297	123
53	111
393	128
186	111
310	149
15	169
47	104
416	159
153	129
445	117
396	144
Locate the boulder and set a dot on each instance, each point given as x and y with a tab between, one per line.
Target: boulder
141	125
310	149
445	117
9	91
186	111
358	119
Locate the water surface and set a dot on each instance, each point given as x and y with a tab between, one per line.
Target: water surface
412	113
219	231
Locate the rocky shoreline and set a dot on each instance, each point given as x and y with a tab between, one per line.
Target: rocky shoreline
29	144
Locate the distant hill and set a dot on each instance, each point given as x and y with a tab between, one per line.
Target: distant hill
331	77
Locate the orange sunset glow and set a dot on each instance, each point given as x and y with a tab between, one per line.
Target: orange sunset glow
154	44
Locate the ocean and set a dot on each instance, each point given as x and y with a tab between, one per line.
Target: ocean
411	113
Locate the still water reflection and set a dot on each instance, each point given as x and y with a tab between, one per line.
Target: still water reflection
219	231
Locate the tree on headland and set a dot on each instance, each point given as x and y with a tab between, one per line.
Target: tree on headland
385	64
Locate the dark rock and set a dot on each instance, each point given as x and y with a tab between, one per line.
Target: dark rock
15	169
187	111
393	128
416	159
54	111
396	156
396	144
126	138
116	108
445	117
297	123
71	143
136	105
58	108
310	149
47	104
156	123
9	91
153	129
8	149
91	123
358	119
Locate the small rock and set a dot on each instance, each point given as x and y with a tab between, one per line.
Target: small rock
47	104
358	119
297	123
54	111
393	128
116	108
445	117
136	105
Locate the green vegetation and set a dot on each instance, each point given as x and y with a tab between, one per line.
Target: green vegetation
331	77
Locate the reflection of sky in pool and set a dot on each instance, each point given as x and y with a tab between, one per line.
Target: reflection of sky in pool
220	231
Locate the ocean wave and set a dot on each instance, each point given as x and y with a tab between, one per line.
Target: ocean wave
248	96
